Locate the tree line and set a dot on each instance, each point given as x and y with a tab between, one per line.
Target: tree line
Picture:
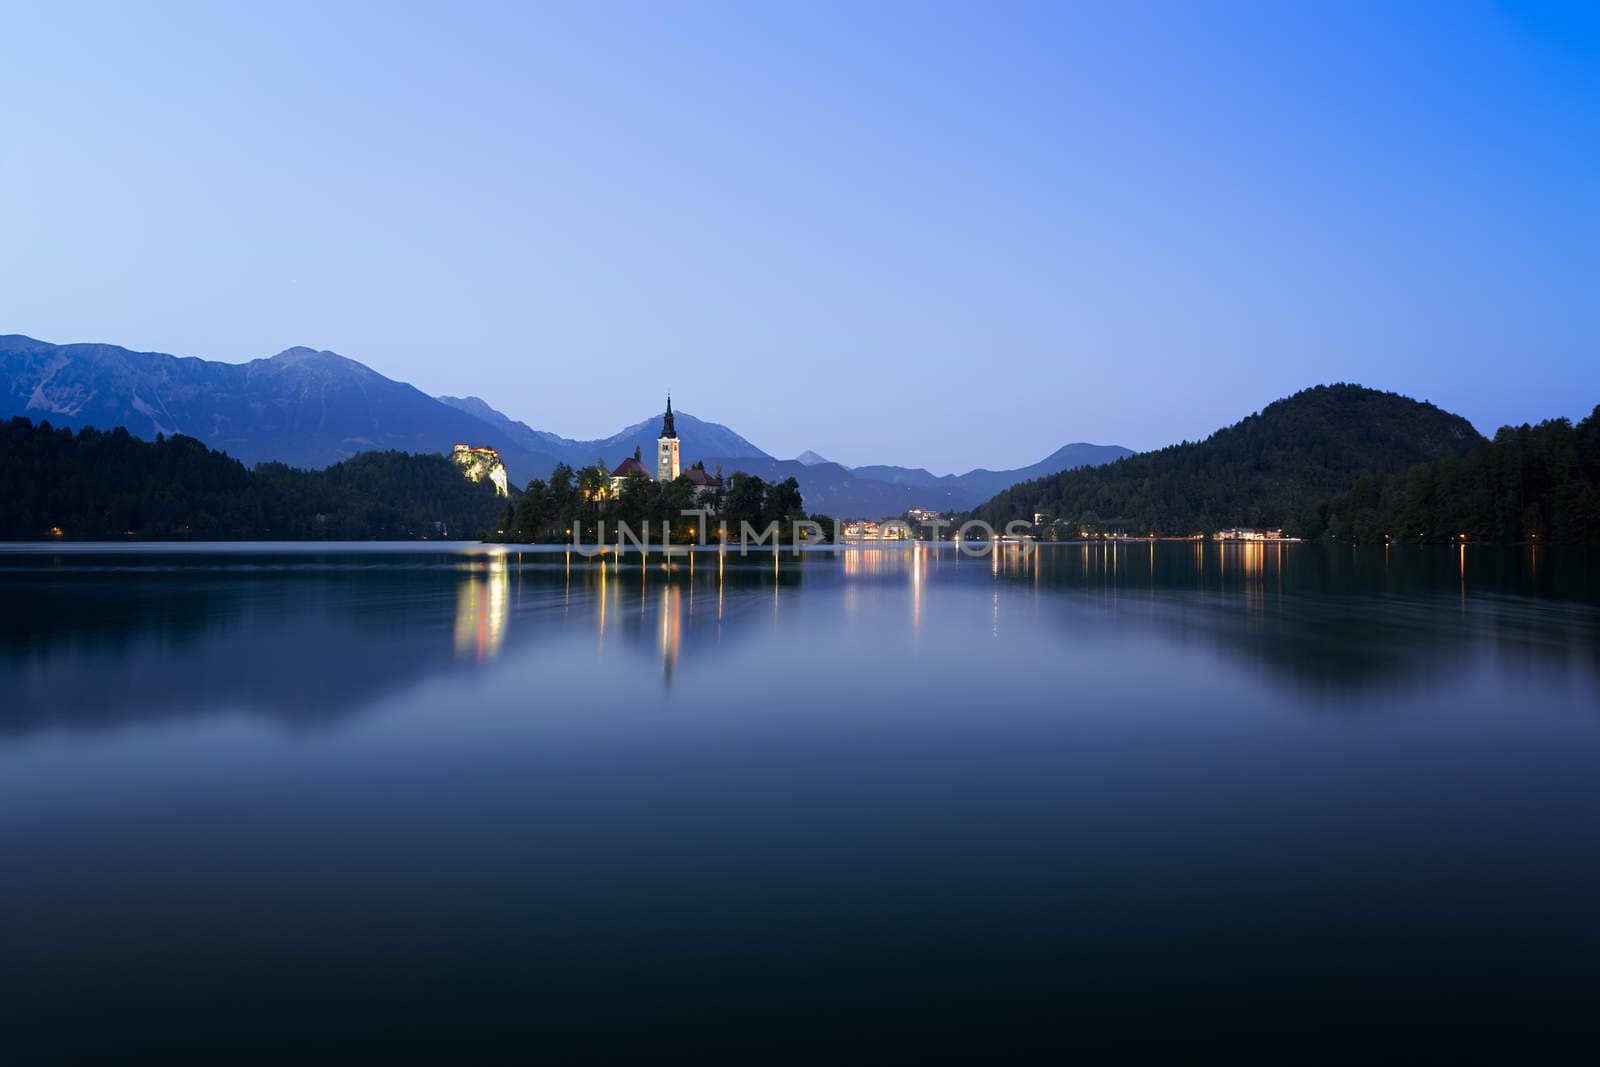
109	485
1336	463
1340	463
573	503
1530	483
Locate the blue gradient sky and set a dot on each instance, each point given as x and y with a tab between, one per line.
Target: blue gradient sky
933	234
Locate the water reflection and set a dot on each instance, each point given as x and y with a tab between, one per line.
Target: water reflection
96	641
410	799
671	629
483	603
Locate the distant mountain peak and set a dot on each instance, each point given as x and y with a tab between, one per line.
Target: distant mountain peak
304	406
700	438
477	405
300	354
297	354
311	407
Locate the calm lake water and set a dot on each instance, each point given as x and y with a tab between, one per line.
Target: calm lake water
301	802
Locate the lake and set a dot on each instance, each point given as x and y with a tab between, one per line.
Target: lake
265	801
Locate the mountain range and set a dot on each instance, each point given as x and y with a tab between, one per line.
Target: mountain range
311	408
302	407
698	439
828	487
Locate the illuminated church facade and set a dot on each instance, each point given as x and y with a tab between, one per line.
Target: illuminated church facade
667	447
669	464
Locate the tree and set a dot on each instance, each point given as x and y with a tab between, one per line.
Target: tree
746	502
594	485
783	503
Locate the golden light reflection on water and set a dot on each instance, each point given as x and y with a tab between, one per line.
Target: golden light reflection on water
1253	560
1249	569
603	598
671	627
916	587
1118	568
483	602
918	560
660	619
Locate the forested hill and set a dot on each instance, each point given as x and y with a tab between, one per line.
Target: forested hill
1531	483
98	485
1277	467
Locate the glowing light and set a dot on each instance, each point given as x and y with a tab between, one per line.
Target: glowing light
481	611
671	630
478	462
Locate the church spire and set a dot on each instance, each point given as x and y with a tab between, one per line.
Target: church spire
667	447
667	429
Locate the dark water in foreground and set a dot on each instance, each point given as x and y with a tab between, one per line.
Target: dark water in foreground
313	805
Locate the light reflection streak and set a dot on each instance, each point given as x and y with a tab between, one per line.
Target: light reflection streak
916	588
603	598
482	606
671	630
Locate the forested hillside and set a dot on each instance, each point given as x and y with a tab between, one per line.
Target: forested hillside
94	485
1531	483
1274	468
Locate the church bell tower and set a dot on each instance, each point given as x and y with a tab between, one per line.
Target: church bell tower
667	448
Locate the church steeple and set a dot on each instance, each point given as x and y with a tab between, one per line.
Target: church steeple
667	447
667	429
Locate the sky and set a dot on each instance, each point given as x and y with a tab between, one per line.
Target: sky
941	235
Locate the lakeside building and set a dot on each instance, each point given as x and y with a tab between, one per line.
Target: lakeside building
867	530
861	530
1242	533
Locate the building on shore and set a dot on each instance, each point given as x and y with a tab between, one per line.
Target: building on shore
861	530
1243	533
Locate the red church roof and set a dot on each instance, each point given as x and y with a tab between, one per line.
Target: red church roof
699	477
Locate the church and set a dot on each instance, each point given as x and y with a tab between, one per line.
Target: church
667	447
668	463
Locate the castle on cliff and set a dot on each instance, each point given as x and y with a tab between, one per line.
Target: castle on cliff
478	462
